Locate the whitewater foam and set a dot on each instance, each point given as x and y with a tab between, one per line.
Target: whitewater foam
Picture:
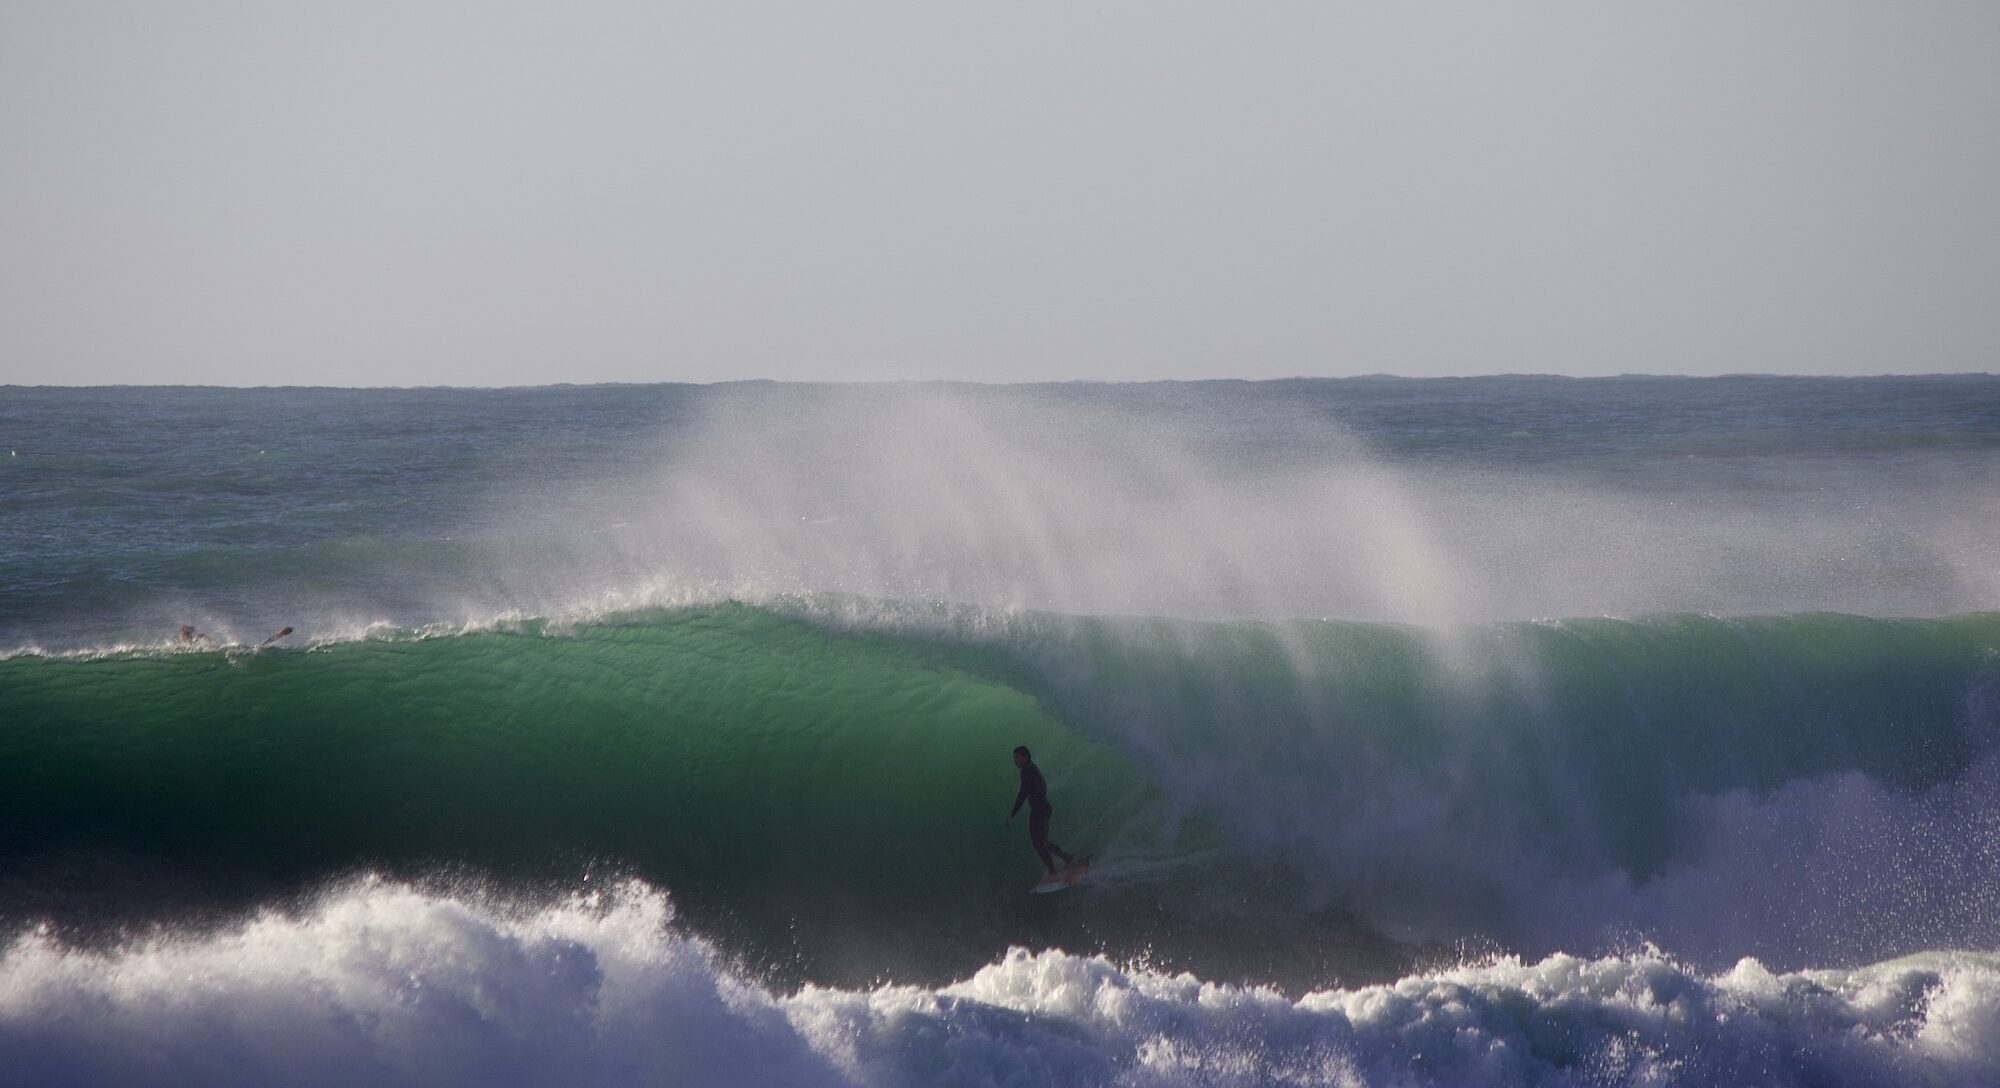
383	983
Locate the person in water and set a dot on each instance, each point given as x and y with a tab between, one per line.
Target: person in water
1035	792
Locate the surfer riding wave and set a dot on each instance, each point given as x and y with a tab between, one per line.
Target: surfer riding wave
1035	792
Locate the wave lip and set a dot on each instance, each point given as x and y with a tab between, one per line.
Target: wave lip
382	983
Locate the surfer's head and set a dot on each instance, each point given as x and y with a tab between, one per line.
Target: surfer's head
1021	756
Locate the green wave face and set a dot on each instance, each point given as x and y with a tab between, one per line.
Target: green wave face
834	796
762	768
1583	733
1802	788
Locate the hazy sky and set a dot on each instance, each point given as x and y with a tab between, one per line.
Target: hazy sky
485	193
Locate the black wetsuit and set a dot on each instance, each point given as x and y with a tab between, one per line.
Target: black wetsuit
1036	793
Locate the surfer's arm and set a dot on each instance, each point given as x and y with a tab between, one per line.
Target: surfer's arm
1019	799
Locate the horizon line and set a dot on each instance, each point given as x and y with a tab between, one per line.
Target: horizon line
1376	376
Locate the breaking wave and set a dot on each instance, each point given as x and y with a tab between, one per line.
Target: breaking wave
1807	789
381	983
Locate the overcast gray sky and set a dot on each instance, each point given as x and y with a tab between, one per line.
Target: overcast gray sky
483	193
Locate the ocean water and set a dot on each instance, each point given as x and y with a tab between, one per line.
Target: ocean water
1477	731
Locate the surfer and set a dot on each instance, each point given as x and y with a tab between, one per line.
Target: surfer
190	635
1035	792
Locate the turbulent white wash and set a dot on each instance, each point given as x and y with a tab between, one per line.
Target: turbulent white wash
382	983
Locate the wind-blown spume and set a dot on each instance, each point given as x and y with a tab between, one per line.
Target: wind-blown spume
1000	499
1162	501
1219	500
1449	777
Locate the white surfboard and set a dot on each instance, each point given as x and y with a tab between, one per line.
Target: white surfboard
1066	877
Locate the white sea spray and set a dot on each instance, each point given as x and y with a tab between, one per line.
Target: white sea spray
382	983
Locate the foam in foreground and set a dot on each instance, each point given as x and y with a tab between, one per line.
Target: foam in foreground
385	984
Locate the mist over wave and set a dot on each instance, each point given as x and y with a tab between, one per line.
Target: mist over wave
1423	502
1165	502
